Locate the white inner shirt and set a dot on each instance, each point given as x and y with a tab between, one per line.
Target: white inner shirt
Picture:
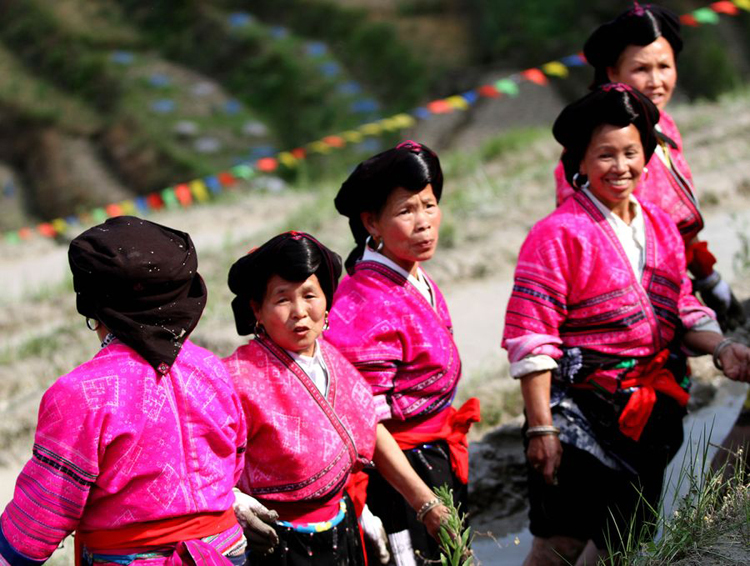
315	368
632	236
420	282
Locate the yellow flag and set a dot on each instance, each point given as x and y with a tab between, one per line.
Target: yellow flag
319	147
556	69
352	136
59	225
287	159
389	124
128	207
404	120
199	190
371	129
457	102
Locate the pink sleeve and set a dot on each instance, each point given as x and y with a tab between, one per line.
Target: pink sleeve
538	303
52	490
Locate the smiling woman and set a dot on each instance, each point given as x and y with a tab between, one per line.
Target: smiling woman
613	164
595	327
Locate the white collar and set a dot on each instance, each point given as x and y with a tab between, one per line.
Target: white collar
632	237
419	280
372	255
611	216
306	361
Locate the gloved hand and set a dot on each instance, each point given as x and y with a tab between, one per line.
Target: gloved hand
718	296
256	520
373	528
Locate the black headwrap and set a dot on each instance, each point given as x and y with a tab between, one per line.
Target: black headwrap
293	256
409	165
612	103
641	25
140	280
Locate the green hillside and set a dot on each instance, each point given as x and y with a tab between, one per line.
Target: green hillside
149	93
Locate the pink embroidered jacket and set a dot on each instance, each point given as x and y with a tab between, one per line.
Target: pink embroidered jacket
402	345
303	445
574	287
669	188
117	444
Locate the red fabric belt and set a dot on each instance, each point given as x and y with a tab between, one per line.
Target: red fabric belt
454	430
653	378
181	530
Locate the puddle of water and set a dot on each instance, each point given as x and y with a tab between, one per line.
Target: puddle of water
715	420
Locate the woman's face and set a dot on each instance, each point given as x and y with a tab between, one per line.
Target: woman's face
293	314
650	69
613	163
408	226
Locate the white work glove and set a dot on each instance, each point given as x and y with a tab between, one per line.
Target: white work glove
256	520
374	531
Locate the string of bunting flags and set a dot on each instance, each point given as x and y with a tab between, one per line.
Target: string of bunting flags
204	189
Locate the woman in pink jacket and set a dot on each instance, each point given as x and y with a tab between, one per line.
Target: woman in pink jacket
311	417
600	311
136	450
391	321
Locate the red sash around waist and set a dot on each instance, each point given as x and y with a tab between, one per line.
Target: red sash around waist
158	533
455	426
654	377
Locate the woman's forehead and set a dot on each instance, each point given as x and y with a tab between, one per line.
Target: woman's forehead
277	284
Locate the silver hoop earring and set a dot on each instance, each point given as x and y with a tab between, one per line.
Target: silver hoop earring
580	181
258	329
326	326
370	240
92	324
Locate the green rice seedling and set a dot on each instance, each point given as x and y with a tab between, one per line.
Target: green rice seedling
455	535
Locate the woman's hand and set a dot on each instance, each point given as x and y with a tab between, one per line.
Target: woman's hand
735	362
434	518
544	455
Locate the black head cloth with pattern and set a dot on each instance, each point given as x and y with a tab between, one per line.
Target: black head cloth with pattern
140	280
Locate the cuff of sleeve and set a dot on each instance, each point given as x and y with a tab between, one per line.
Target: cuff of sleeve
707	324
9	555
382	408
531	364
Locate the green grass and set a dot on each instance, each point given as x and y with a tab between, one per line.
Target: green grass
712	518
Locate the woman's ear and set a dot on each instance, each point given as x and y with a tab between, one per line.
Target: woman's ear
613	75
370	222
255	305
